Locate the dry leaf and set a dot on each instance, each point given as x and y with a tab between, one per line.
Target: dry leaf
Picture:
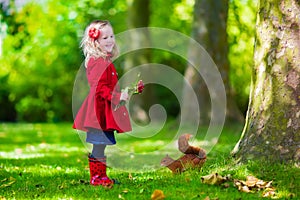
130	176
268	185
261	184
3	180
251	181
252	184
213	179
244	189
11	181
269	192
157	195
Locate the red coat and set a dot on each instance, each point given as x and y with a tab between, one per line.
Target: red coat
98	109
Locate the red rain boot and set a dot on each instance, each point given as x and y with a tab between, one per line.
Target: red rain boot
98	172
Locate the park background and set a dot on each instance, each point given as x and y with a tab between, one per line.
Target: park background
40	54
43	158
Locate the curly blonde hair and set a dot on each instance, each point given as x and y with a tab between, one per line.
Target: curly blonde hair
91	47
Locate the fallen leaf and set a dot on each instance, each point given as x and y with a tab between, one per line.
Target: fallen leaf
261	183
268	185
125	191
7	184
245	189
251	181
213	179
157	195
11	181
253	184
3	180
130	176
269	192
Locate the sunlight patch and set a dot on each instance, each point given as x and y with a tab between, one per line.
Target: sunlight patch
36	151
20	155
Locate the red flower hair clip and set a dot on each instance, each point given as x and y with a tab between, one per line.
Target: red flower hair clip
94	33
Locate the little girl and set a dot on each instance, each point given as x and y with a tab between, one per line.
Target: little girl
98	115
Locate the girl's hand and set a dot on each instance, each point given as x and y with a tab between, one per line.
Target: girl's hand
124	95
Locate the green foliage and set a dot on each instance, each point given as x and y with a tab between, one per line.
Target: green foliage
36	165
41	63
178	16
241	31
41	54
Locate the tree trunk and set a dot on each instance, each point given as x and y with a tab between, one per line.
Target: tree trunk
209	29
272	128
138	17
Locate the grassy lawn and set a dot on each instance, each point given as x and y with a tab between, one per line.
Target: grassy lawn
49	161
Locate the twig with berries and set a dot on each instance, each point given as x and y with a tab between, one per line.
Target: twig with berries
136	88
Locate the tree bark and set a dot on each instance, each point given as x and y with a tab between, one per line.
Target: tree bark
272	128
209	29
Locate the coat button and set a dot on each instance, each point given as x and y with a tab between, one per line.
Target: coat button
113	73
124	114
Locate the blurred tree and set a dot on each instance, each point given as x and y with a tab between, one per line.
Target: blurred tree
241	31
209	29
178	17
272	129
139	17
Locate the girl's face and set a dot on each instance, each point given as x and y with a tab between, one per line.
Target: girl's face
107	39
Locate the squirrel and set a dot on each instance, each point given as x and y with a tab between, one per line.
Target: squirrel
194	157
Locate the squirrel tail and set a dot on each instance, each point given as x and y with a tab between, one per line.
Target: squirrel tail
185	148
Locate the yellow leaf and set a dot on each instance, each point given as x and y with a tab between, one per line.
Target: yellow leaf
213	179
157	195
268	185
269	192
7	184
3	180
11	181
130	176
251	181
245	189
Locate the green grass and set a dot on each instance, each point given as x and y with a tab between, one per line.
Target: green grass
49	161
